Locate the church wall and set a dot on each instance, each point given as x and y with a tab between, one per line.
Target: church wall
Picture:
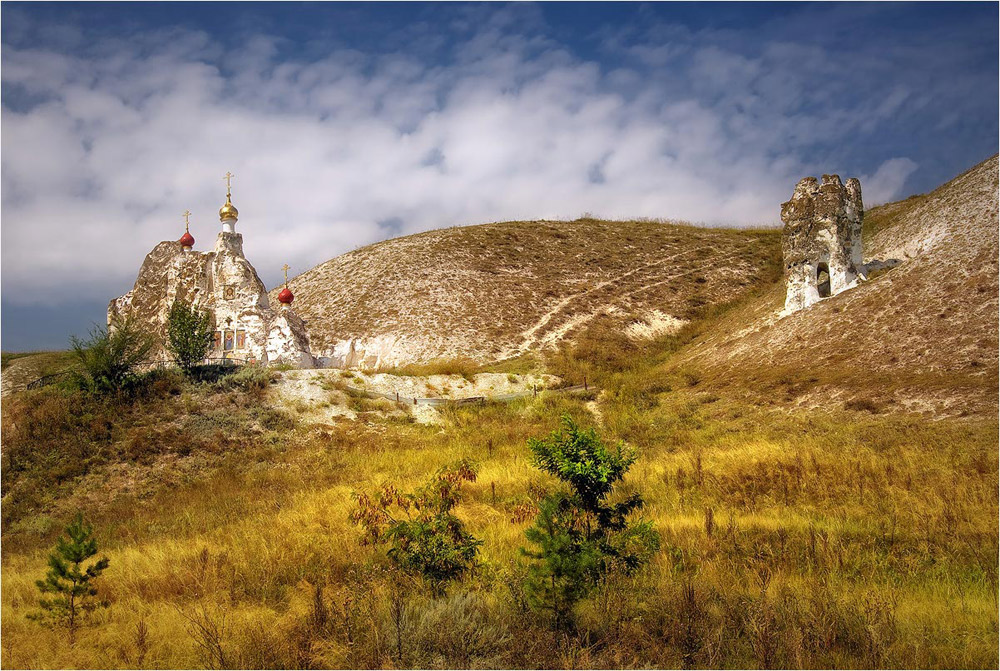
226	285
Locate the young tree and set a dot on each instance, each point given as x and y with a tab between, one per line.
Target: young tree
189	334
110	356
581	538
68	580
431	541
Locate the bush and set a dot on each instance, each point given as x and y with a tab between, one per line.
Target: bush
189	334
250	378
431	542
111	356
580	538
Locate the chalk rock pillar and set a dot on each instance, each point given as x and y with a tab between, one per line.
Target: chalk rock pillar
821	241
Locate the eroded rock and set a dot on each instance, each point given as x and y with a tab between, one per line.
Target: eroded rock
225	284
821	243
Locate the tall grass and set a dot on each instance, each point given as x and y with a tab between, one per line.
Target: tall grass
448	366
789	538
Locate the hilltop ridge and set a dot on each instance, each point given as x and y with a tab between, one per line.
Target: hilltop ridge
921	336
496	291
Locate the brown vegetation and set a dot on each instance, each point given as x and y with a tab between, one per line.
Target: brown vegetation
501	290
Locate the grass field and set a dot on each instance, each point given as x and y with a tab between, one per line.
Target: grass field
849	537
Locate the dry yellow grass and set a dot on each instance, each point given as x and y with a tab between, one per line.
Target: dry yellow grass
875	536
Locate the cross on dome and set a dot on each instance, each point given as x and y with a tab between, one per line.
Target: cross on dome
187	240
285	296
229	214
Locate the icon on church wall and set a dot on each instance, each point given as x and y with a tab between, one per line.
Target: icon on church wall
228	341
241	339
216	340
229	293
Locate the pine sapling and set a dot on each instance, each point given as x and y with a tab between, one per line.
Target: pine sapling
69	581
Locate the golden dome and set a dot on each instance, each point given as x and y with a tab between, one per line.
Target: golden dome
227	211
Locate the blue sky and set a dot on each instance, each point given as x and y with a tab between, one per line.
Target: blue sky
348	123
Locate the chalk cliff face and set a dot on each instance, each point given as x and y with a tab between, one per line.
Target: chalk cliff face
821	241
224	283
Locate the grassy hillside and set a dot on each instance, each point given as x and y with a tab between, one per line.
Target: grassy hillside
921	337
21	368
789	538
801	524
500	290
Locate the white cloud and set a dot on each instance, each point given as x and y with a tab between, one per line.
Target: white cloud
131	133
887	181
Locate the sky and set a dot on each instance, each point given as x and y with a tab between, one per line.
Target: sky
350	123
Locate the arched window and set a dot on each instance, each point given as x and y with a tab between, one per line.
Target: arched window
823	280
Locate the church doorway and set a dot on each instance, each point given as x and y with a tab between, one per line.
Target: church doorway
823	280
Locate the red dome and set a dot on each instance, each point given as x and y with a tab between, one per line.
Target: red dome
286	296
187	240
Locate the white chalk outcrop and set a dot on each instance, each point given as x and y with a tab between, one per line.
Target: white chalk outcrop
225	284
821	242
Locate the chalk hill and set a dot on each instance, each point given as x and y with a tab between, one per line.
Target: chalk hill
496	291
921	336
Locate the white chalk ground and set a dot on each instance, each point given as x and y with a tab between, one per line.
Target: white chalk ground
313	395
654	324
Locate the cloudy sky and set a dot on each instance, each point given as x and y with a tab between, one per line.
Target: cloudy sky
350	123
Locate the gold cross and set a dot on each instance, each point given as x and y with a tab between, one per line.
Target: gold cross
187	213
229	183
285	268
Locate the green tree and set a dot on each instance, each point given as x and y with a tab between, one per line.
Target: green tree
579	537
189	334
430	541
68	580
110	356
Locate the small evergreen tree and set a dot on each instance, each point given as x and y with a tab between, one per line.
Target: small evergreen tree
110	356
68	580
431	541
189	334
580	538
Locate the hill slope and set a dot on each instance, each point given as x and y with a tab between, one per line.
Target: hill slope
922	335
496	291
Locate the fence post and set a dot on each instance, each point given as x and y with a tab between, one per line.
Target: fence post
585	383
414	401
397	397
534	391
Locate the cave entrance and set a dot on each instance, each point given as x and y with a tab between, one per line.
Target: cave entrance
823	280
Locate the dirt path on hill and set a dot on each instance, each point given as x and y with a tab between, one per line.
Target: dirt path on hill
530	336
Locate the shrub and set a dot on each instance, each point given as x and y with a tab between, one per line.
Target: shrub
189	334
111	356
68	580
251	378
580	538
431	542
463	366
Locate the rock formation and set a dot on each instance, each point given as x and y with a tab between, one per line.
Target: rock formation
821	242
226	285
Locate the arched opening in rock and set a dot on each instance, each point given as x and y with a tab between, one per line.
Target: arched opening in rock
823	280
